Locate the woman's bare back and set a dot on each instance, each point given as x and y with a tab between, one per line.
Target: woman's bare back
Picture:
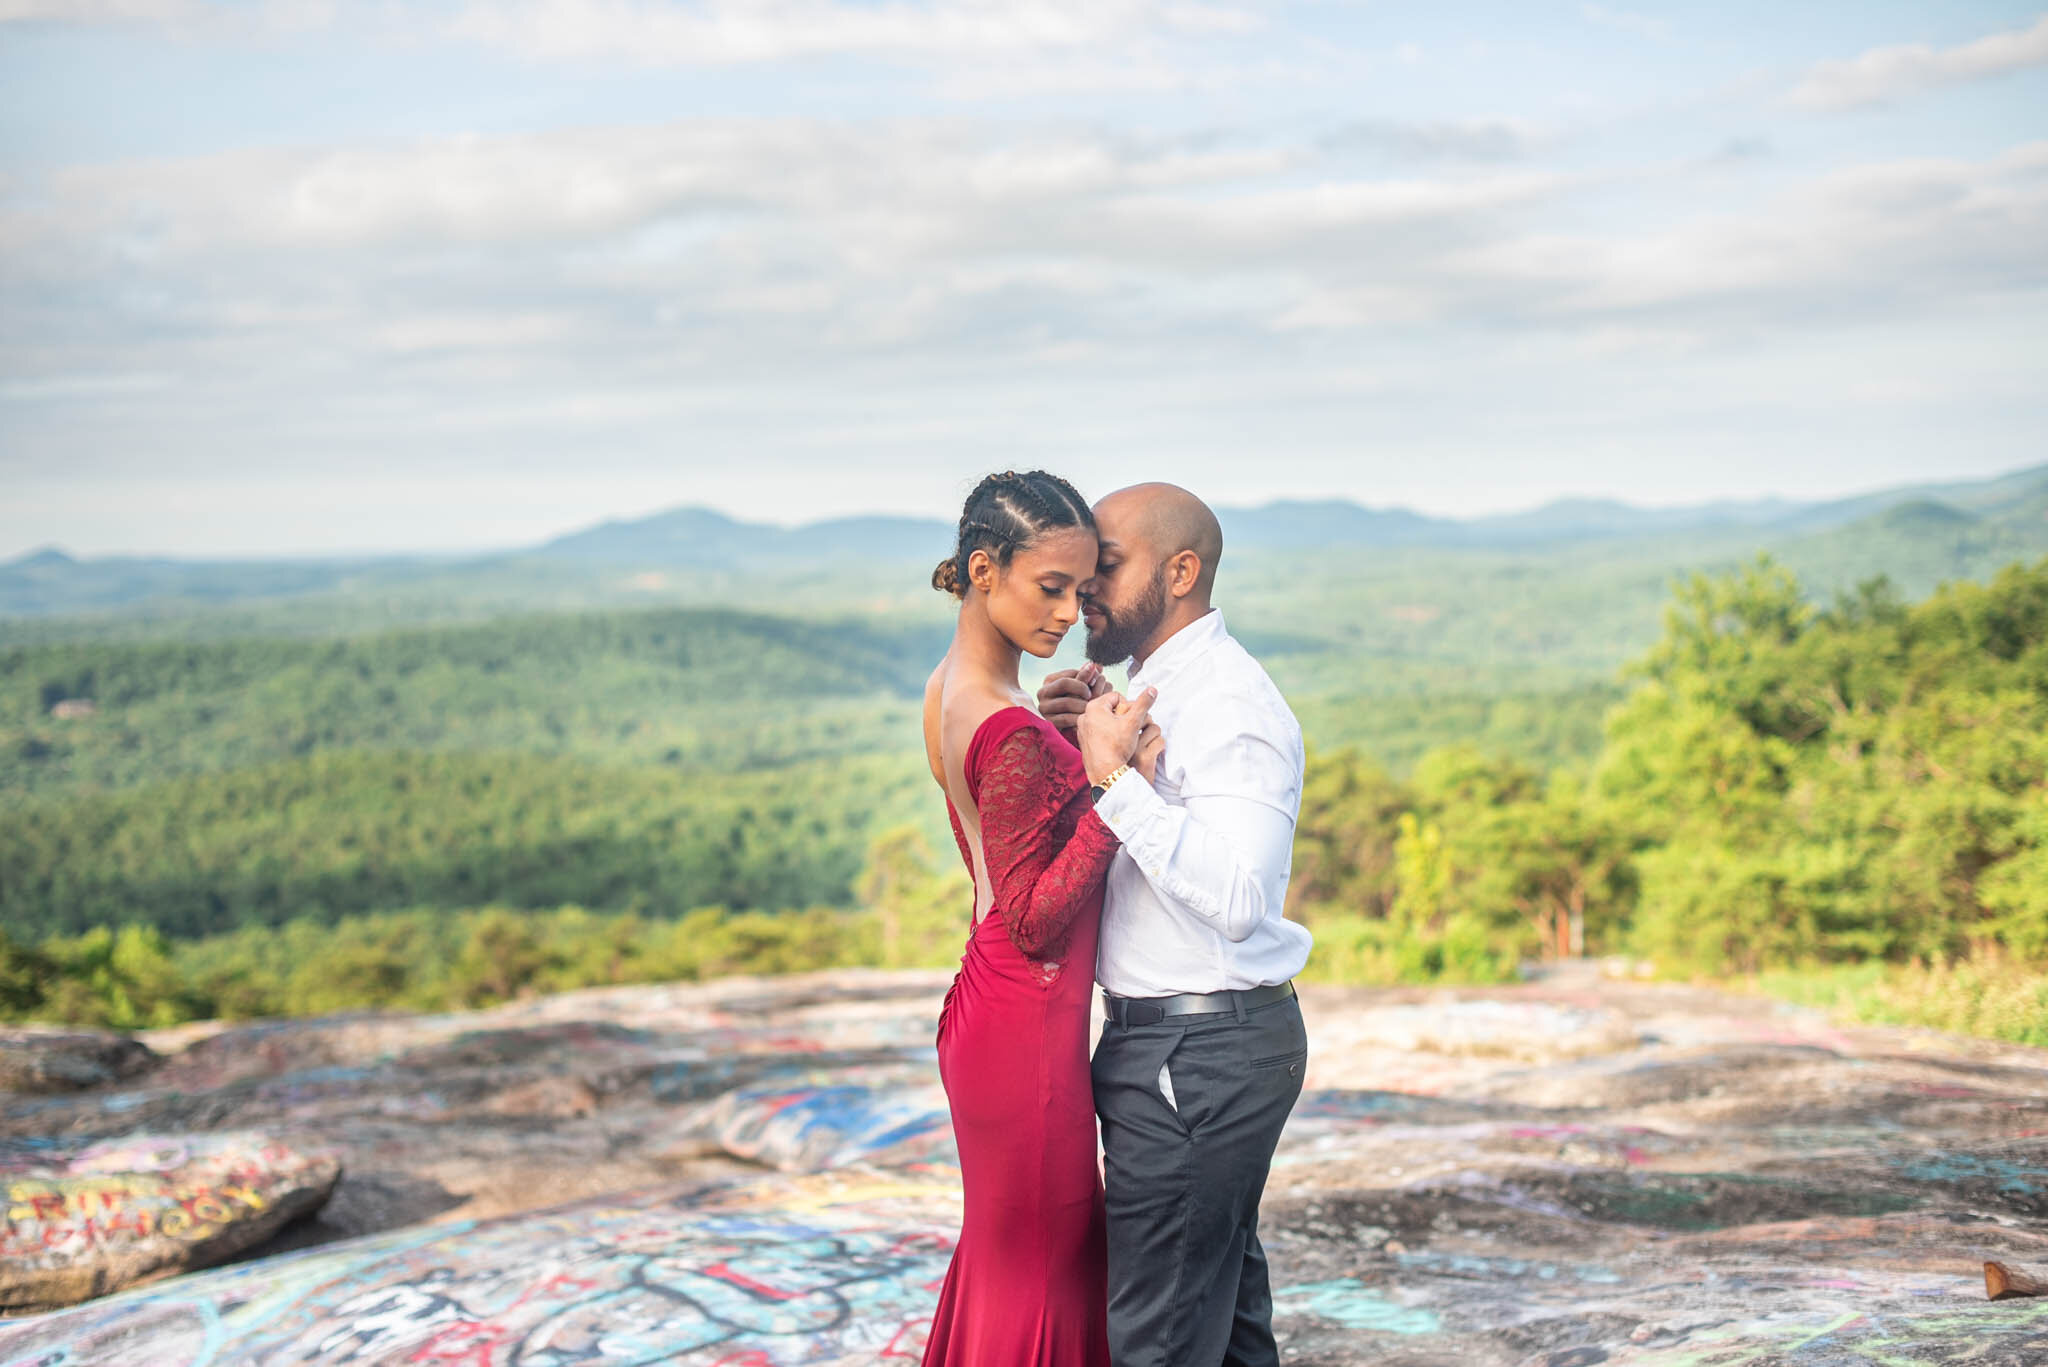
954	709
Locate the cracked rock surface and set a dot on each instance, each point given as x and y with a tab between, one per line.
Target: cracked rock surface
1563	1173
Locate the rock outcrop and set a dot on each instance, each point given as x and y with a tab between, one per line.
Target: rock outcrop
83	1222
60	1060
761	1173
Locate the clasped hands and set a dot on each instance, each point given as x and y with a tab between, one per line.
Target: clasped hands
1110	729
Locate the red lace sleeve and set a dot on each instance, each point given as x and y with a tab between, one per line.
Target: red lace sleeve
1045	848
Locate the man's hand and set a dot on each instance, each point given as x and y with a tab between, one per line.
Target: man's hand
1067	692
1108	731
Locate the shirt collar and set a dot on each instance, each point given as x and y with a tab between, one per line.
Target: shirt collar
1177	651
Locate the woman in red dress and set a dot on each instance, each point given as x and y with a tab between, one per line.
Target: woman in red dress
1027	1286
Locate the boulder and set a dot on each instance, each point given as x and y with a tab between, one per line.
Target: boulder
83	1222
1525	1031
65	1060
874	1118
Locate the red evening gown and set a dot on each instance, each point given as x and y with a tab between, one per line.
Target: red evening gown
1028	1284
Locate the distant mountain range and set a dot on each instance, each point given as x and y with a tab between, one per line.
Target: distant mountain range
2012	510
701	538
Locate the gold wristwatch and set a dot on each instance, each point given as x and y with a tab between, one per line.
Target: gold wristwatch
1096	790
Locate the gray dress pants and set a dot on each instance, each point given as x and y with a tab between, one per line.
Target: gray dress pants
1187	1277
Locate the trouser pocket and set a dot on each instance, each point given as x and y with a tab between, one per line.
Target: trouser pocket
1126	1072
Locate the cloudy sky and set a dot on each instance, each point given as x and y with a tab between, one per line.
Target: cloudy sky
298	276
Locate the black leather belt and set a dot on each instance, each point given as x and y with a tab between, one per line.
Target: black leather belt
1152	1010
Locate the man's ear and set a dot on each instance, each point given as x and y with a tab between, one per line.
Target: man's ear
1183	572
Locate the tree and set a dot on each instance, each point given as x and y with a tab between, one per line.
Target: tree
923	915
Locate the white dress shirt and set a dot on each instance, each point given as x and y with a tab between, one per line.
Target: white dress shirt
1195	895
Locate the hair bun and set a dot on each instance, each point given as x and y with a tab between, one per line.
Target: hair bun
946	578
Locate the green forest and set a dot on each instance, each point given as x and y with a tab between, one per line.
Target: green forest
687	688
1784	787
1840	798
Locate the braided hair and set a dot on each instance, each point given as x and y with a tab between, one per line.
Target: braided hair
1006	513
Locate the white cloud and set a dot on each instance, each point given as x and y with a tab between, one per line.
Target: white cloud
1642	25
79	386
1474	139
721	32
1888	73
682	33
934	285
977	50
708	242
1871	240
420	332
96	11
1337	248
189	17
869	192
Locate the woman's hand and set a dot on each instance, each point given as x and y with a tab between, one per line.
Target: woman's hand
1066	693
1151	741
1108	731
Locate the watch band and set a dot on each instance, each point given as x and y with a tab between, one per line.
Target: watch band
1096	790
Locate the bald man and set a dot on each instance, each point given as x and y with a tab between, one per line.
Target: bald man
1201	1058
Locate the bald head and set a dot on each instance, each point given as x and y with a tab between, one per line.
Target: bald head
1158	522
1159	546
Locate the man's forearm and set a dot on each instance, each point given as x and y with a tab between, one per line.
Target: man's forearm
1207	858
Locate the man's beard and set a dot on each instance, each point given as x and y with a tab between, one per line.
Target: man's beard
1122	632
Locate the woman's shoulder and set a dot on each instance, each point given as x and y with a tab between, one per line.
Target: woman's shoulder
974	713
979	723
